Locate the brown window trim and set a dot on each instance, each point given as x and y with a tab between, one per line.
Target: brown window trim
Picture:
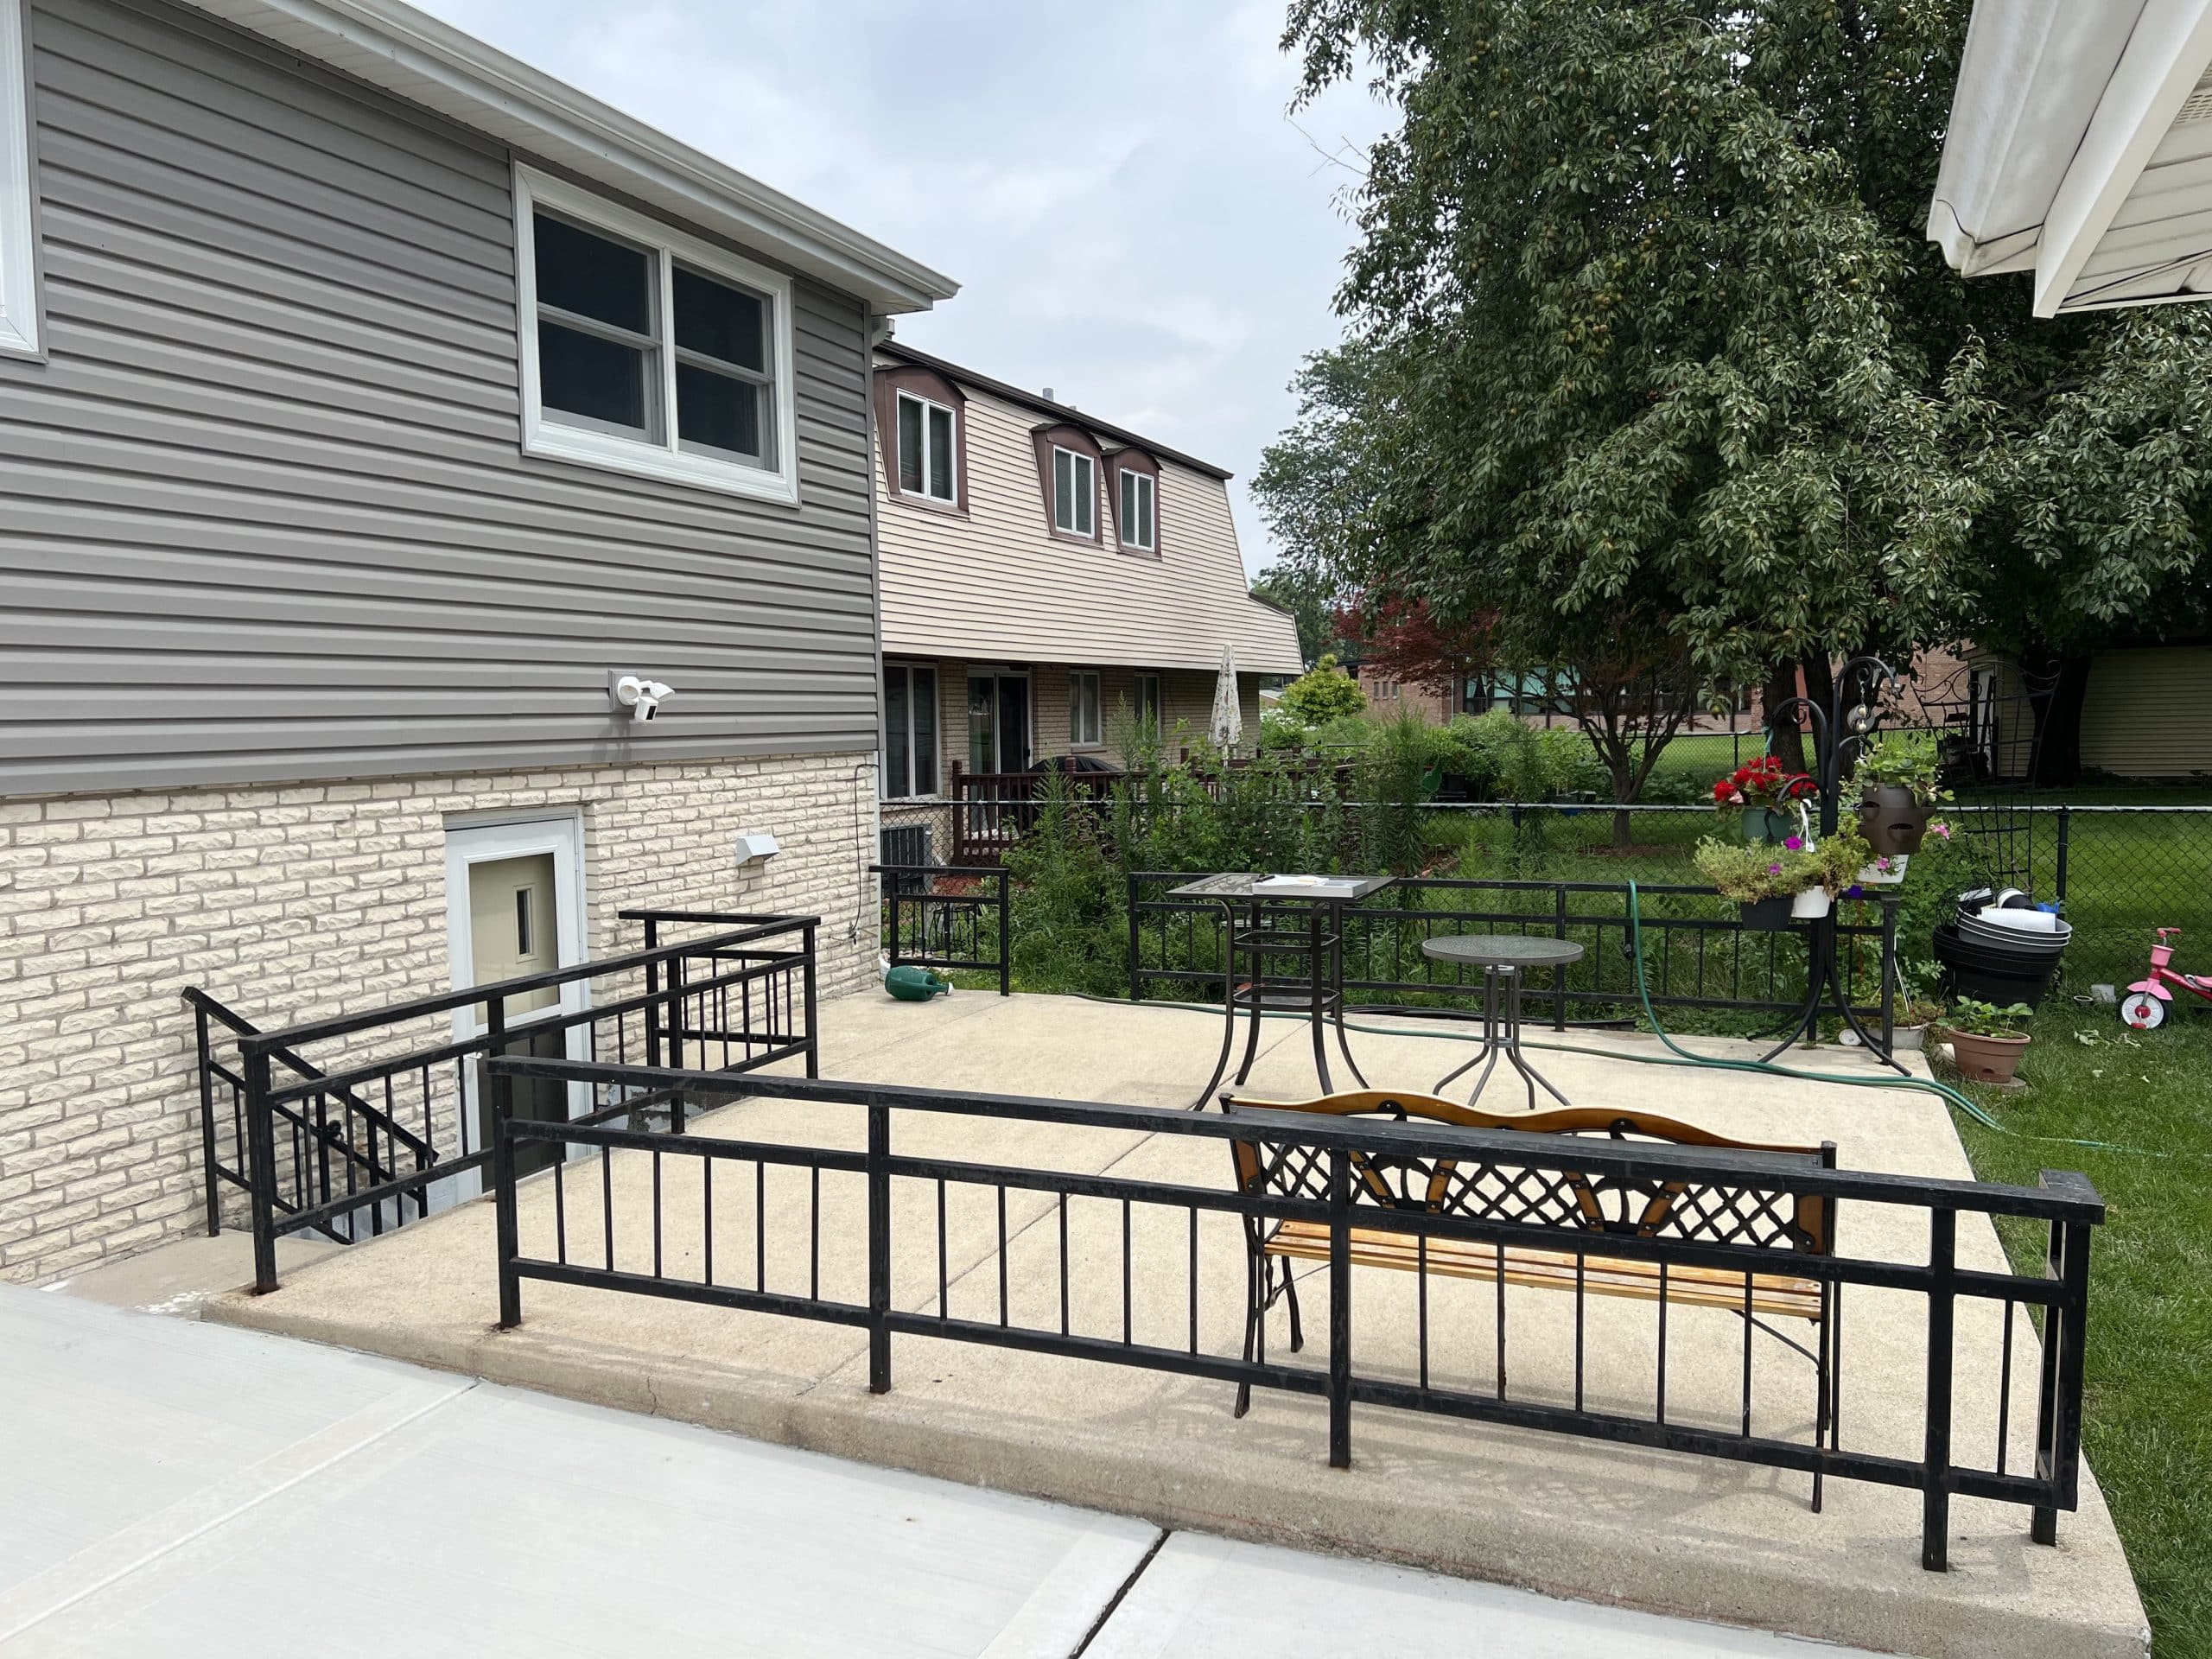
922	382
1061	434
1133	460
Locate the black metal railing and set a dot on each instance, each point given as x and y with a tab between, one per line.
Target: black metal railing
651	1228
945	915
352	1126
1697	952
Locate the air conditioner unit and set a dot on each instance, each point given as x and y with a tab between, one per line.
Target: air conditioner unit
910	844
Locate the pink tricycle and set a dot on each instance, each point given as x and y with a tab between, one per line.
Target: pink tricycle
2143	1008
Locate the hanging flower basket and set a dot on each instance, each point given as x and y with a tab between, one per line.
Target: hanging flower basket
1766	825
1764	915
1893	818
1811	905
1884	872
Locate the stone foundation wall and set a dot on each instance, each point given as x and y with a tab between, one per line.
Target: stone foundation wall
303	901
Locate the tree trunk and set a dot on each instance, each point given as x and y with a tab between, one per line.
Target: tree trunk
1785	741
2057	762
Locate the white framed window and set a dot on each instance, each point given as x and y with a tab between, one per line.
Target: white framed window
649	350
1083	729
929	455
909	731
19	329
1074	493
1140	494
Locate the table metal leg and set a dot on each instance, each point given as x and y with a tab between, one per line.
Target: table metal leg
1317	996
1486	1055
1228	1007
1336	984
1513	1044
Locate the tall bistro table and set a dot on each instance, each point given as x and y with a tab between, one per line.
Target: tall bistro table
1504	958
1263	927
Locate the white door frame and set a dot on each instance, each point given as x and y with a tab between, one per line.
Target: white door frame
560	833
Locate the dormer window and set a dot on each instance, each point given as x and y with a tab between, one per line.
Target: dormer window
1070	478
928	458
1075	493
1132	486
1139	494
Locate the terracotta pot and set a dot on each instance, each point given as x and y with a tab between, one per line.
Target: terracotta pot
1892	821
1988	1059
1764	915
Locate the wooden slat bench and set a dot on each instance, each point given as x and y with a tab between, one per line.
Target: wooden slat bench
1570	1201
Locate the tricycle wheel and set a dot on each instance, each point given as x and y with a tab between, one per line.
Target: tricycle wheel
2141	1011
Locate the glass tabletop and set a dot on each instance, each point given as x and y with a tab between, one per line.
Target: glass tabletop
1247	884
1502	950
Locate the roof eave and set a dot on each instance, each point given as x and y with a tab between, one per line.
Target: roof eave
1032	401
415	57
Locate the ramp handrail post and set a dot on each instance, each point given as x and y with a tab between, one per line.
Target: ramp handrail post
878	1247
261	1172
207	1122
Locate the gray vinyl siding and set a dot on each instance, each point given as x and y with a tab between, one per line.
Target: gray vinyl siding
263	513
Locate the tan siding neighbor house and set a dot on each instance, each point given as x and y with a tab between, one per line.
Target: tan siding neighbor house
1046	577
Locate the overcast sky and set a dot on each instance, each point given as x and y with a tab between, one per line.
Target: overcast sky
1133	217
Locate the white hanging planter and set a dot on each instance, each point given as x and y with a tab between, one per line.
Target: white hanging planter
1877	876
1810	904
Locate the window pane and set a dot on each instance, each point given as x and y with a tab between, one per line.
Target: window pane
596	378
894	732
910	446
592	276
713	409
941	453
1064	489
1086	495
1144	515
720	320
925	706
1128	506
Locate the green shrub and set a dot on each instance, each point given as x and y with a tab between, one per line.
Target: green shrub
1070	901
1324	693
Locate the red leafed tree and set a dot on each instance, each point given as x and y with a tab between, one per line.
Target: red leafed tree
1630	691
1404	640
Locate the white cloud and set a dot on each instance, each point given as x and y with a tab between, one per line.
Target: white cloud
1133	219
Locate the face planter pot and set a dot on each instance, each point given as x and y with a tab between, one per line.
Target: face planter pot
1892	819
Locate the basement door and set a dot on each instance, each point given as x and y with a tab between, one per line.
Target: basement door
514	907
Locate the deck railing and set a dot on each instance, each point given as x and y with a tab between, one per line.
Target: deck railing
1697	952
942	915
658	1237
352	1125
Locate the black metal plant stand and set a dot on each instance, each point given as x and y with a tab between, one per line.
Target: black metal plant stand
1834	730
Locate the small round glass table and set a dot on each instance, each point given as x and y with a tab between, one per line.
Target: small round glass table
1504	958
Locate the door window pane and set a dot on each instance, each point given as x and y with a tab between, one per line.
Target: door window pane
941	453
895	775
718	321
582	374
718	411
925	706
592	276
910	446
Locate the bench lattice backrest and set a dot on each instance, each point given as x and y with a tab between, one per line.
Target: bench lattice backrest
1493	1188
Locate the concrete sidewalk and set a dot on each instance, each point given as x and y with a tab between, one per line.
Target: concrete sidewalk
176	1488
1667	1532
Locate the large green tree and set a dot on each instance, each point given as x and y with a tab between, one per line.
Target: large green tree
1643	324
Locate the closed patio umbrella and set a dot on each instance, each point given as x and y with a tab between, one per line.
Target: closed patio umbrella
1228	712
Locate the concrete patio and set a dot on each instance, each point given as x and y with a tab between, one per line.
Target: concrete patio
1662	1531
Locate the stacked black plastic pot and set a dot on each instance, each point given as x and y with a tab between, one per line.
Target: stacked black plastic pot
2001	948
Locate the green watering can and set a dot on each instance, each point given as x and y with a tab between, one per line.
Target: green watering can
915	984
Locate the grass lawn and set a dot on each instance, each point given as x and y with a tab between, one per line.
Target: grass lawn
2148	1430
